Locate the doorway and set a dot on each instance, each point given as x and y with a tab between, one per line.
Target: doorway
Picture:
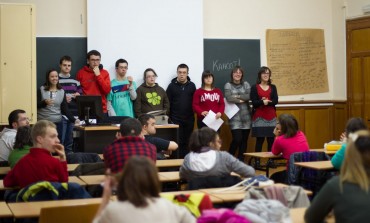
358	67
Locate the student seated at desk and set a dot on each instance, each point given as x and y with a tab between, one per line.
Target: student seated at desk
138	197
347	195
289	139
353	125
207	161
129	143
22	145
148	130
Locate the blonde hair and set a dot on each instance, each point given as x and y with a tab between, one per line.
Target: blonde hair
39	129
356	165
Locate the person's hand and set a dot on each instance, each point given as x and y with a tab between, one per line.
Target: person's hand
241	101
59	149
218	115
277	131
68	98
76	94
107	192
96	71
49	101
204	113
343	137
118	135
130	79
77	122
266	101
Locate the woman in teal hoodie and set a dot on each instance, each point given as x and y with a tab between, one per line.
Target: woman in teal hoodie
353	125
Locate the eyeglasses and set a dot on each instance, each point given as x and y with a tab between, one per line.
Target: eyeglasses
94	60
23	119
151	76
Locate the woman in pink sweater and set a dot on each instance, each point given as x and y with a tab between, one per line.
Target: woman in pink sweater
208	98
289	139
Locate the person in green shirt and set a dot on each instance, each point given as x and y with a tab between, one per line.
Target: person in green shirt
123	92
353	125
22	145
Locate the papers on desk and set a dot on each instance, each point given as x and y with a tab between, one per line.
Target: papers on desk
211	121
92	121
230	109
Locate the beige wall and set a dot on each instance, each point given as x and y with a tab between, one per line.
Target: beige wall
236	19
61	18
354	7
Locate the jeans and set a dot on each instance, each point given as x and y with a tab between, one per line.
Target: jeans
65	134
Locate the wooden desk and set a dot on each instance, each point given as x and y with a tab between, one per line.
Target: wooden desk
33	209
263	155
70	179
4	188
98	179
236	194
330	152
92	179
70	168
171	176
4	170
214	199
5	211
317	165
169	163
74	179
297	216
93	139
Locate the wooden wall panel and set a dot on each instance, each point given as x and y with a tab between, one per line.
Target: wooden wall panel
340	119
318	126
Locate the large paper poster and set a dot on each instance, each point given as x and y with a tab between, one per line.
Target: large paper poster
297	60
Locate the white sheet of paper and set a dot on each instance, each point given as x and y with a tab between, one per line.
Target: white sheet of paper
211	121
230	109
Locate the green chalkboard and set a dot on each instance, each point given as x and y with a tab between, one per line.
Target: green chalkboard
221	55
50	49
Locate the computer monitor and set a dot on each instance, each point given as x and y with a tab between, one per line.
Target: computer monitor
90	107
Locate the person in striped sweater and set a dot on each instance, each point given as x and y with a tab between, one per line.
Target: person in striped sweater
72	88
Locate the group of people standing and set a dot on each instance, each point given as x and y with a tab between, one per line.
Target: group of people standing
122	97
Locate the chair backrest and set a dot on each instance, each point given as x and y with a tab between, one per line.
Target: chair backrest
74	158
309	179
212	182
70	214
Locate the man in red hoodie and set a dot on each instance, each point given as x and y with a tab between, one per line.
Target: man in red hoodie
94	79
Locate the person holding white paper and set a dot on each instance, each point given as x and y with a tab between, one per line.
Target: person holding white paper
208	98
237	91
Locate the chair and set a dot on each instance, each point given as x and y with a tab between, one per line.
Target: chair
74	158
212	182
309	179
70	214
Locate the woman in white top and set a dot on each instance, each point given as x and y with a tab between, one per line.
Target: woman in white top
138	197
